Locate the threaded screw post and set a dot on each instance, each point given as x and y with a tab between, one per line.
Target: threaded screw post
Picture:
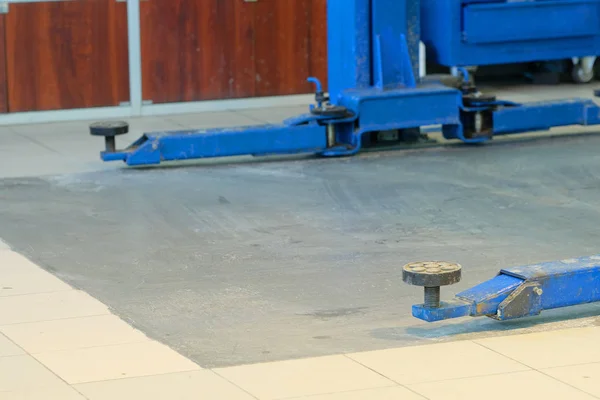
432	297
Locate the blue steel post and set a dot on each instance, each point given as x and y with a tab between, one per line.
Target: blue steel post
349	41
373	60
394	19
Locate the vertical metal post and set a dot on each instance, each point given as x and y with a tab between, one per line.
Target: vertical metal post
135	56
394	18
349	45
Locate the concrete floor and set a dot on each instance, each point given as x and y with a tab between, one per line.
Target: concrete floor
234	264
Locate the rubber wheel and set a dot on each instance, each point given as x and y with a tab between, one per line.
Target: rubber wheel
109	128
580	76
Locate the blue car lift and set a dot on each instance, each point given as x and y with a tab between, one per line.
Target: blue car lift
490	32
373	87
514	293
373	62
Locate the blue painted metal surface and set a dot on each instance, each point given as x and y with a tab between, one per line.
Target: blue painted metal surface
486	32
373	86
153	148
349	45
524	291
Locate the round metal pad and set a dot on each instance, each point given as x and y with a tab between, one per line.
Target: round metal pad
480	100
431	273
109	128
332	112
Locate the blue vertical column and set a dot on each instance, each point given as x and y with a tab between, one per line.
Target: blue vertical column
349	45
392	19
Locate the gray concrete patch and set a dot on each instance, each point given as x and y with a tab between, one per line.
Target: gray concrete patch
245	263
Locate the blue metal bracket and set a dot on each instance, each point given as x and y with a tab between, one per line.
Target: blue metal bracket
523	291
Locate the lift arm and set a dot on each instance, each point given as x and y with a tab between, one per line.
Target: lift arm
373	87
514	293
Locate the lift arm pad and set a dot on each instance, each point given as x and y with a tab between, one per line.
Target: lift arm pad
524	291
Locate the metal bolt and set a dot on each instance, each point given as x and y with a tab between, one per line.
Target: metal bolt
432	297
111	144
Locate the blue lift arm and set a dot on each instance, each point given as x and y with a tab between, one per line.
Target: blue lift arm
522	291
373	67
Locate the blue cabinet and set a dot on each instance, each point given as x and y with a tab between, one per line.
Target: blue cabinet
486	32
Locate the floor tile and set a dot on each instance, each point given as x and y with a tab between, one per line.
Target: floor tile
296	378
72	333
436	362
193	385
65	392
48	306
115	362
569	347
514	386
274	115
585	377
8	348
58	130
13	142
20	373
219	119
388	393
21	276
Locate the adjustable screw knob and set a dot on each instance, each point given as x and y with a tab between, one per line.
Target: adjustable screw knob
109	129
431	275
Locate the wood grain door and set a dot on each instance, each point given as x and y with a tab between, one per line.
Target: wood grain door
197	50
318	40
67	54
291	45
3	89
221	49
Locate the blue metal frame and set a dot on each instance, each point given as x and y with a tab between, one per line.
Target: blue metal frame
487	32
373	64
524	291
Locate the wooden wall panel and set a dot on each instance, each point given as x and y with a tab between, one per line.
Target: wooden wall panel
3	88
197	50
282	47
65	55
318	40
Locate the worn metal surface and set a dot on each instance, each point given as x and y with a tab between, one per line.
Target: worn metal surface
471	32
523	291
373	63
243	263
431	273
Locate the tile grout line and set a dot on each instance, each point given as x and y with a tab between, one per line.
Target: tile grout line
233	383
450	379
56	319
33	354
107	312
37	142
137	376
34	293
41	364
386	377
345	392
537	370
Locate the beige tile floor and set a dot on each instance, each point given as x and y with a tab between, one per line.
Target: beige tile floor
58	343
